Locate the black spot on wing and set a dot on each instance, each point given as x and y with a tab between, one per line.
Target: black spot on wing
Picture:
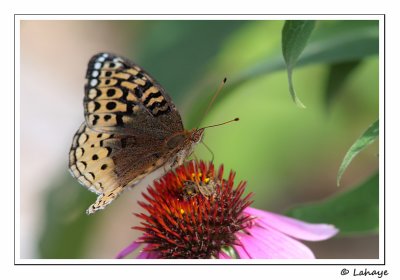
111	105
110	92
146	86
118	117
151	95
162	112
157	105
138	92
95	118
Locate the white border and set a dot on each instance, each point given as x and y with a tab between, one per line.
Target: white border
382	133
196	17
204	262
18	18
17	142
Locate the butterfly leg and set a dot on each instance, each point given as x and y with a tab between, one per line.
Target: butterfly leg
208	148
104	199
194	155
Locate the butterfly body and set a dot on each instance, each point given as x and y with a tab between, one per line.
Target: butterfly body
131	129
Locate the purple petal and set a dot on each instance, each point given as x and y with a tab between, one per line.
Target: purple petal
132	247
222	255
148	255
241	250
295	228
263	243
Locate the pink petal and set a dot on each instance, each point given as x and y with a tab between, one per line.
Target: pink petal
132	247
271	244
147	255
295	228
241	250
222	255
250	248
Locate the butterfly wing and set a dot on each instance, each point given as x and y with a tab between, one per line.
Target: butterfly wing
90	160
122	98
106	163
128	117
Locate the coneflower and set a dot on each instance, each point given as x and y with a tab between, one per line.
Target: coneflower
194	213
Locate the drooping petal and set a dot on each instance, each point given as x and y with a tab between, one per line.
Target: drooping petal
129	249
241	250
222	255
148	255
268	243
295	228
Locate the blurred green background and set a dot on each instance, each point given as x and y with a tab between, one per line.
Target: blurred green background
288	155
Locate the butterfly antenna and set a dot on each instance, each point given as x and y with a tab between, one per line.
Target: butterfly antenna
208	148
214	125
221	85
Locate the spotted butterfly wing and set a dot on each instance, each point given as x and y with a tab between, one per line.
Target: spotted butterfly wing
123	98
131	129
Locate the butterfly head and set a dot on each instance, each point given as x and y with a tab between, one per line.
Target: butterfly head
196	135
185	140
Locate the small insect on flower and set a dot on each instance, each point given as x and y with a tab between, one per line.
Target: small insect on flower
194	213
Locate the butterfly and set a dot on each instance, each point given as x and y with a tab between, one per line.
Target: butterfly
131	129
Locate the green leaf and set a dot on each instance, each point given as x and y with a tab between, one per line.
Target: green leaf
331	42
295	35
342	41
338	74
338	42
353	212
66	227
363	141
